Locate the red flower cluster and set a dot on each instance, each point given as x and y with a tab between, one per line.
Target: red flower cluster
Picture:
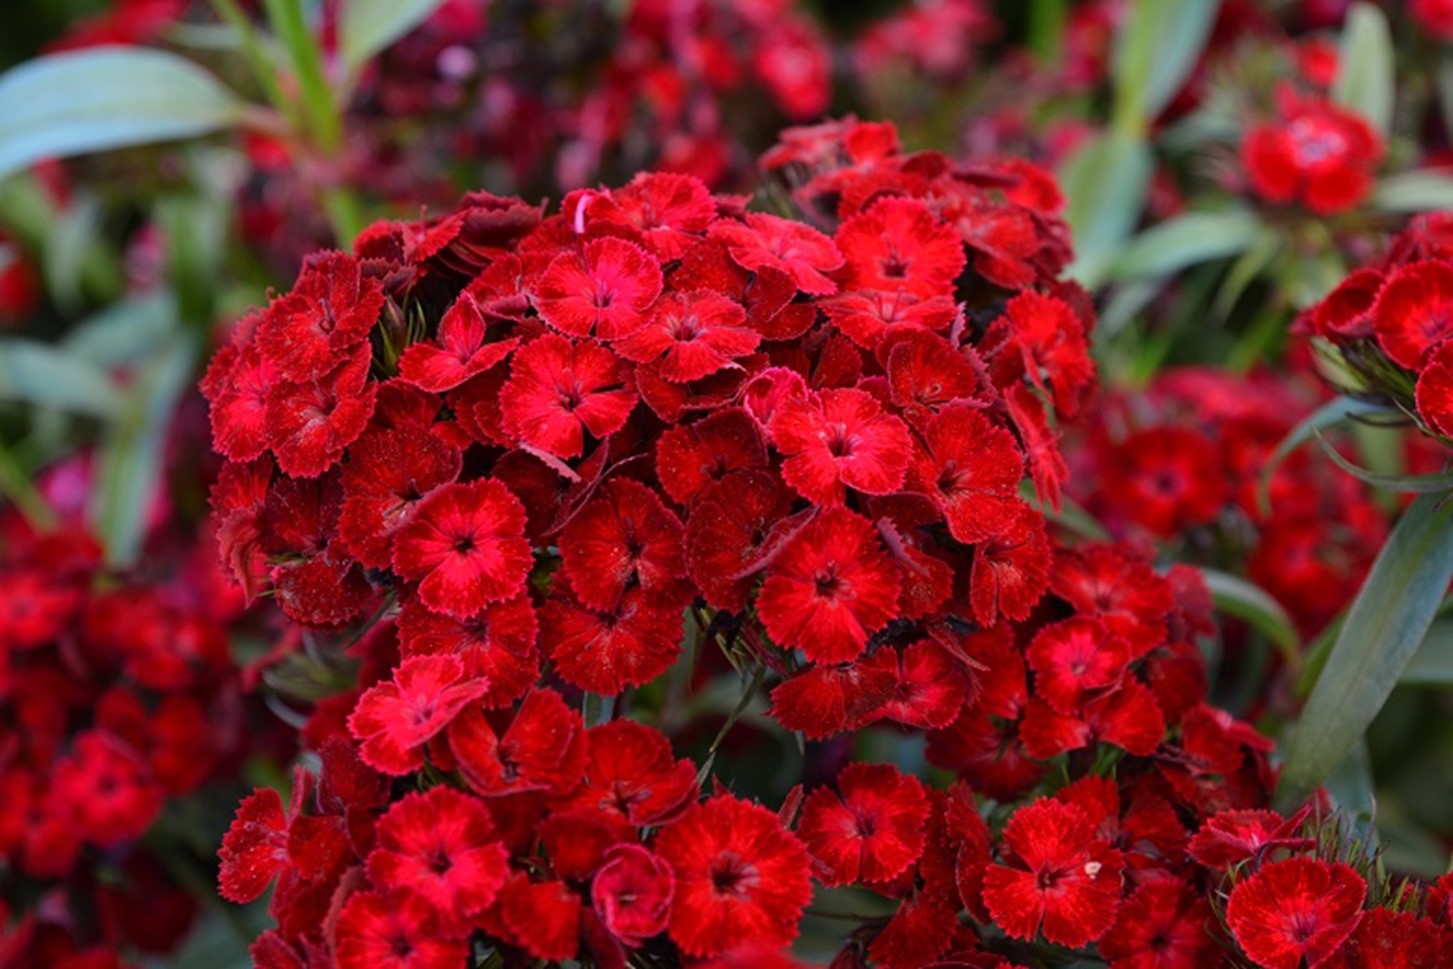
1181	464
1391	323
1313	154
118	696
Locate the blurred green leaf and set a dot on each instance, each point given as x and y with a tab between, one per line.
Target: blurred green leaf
123	332
35	373
1384	627
1247	601
1409	484
74	234
1105	184
1155	51
133	451
1432	664
1364	81
106	97
1188	239
1420	191
1352	790
1330	414
368	26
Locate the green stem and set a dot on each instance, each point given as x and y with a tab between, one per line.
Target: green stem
263	68
345	216
736	714
321	111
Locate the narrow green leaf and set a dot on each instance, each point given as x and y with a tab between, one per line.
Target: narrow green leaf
106	97
1408	484
73	236
1432	664
1155	51
1364	81
1105	183
368	26
1384	628
1245	600
1330	414
124	332
1188	239
1420	191
131	456
34	373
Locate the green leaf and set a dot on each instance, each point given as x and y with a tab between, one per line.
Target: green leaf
1364	81
1155	51
1420	191
34	373
1105	183
1432	664
131	456
1245	600
1328	415
74	234
106	97
1188	239
368	26
123	332
1384	627
1409	484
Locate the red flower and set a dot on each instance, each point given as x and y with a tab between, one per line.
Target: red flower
971	469
740	878
840	439
689	457
460	351
1011	570
394	719
1073	657
1052	347
543	917
632	774
622	539
330	311
693	334
496	644
1434	16
465	545
376	931
1435	390
898	245
1060	878
1164	925
108	787
1315	154
932	686
632	894
542	749
440	846
557	391
870	831
1167	479
1392	940
1295	912
824	700
1232	837
255	847
767	241
603	651
736	527
606	289
310	424
669	211
237	385
1127	717
1414	312
829	588
867	317
388	473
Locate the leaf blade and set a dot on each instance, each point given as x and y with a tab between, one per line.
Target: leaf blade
368	26
1364	81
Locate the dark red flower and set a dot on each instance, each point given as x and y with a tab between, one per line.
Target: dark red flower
465	546
632	894
330	311
840	439
1295	912
1057	878
737	526
689	457
558	391
543	748
1435	390
624	538
1052	348
376	931
692	334
237	385
389	472
1011	569
458	352
255	847
440	846
769	242
829	588
543	917
670	211
898	245
604	289
971	469
1392	940
1168	479
630	643
631	773
1074	657
1315	154
870	830
1414	312
497	644
1164	925
1229	838
741	879
310	424
394	719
